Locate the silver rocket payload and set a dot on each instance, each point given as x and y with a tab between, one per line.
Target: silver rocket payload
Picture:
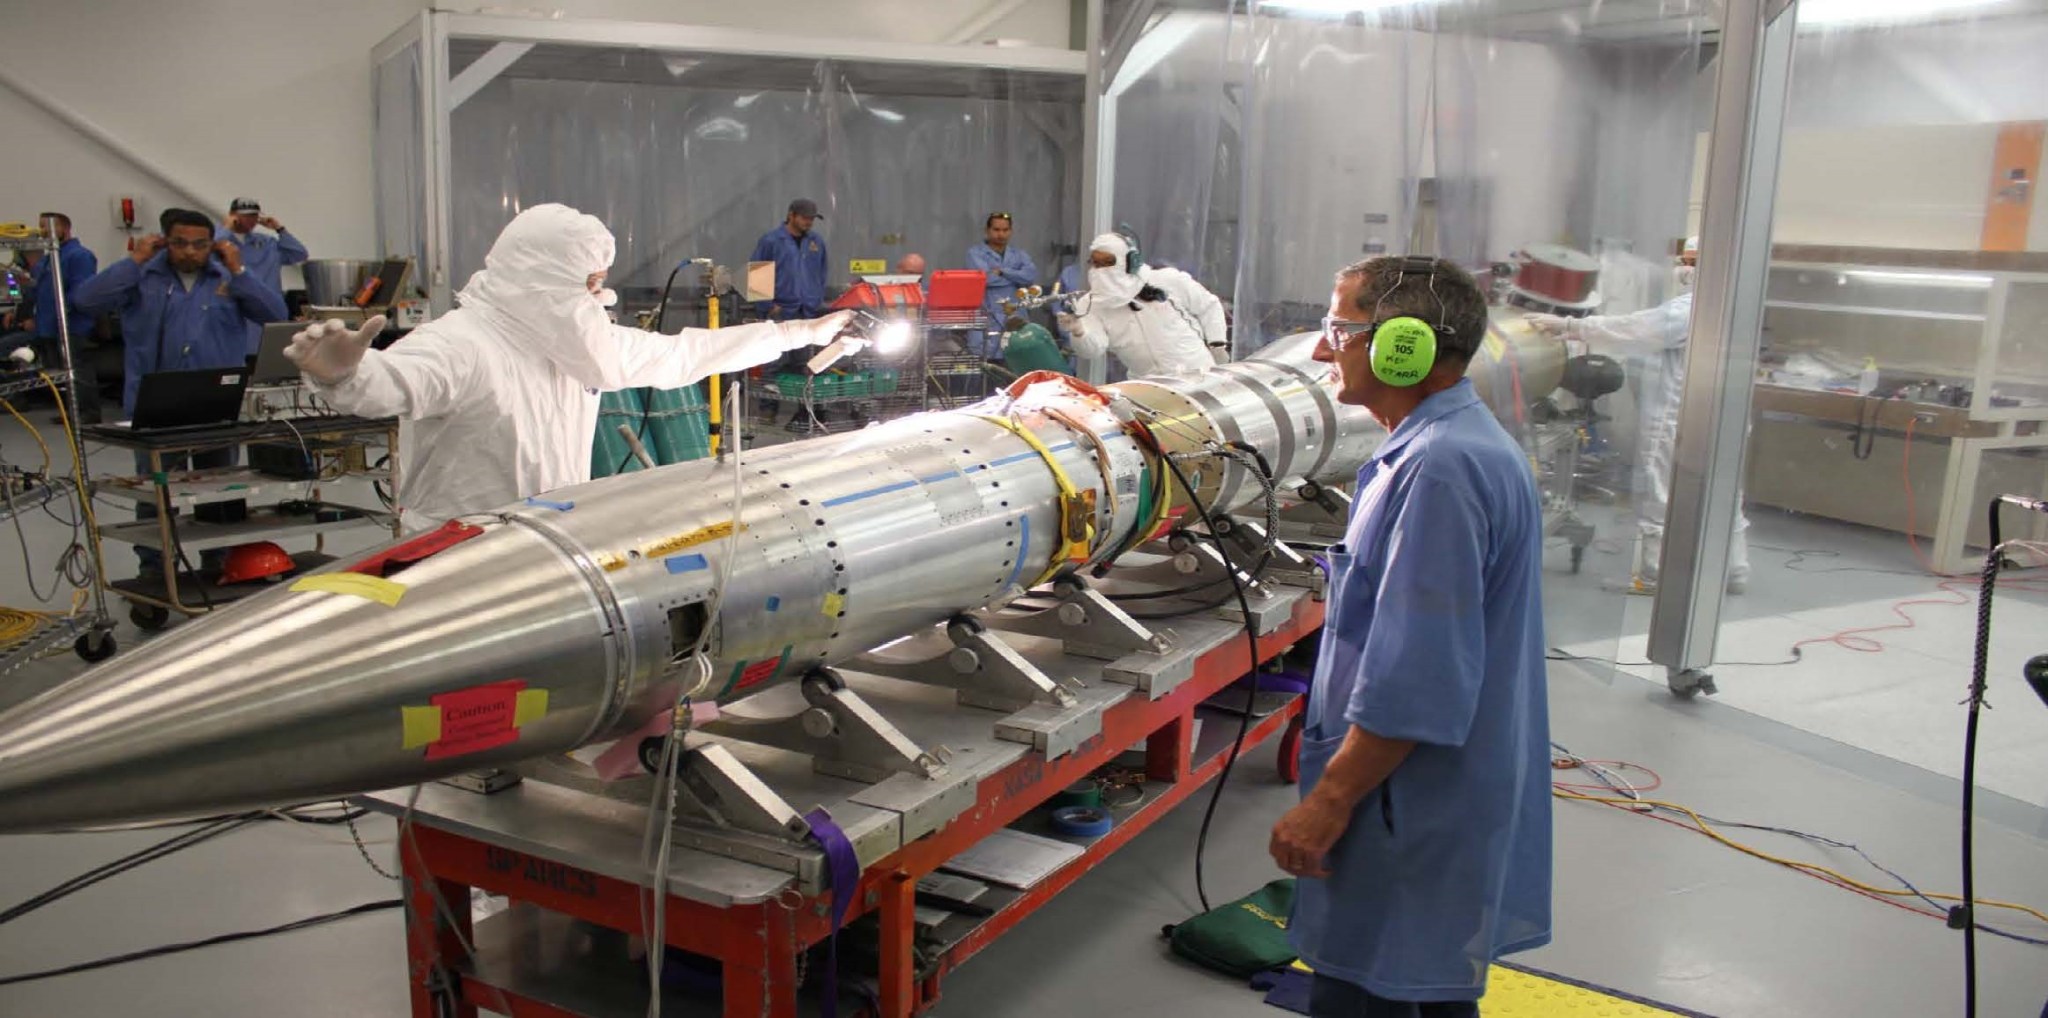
578	616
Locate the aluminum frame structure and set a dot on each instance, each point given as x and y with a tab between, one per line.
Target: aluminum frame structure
1750	90
441	89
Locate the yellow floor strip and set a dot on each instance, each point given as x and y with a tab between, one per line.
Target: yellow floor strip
1512	994
1515	994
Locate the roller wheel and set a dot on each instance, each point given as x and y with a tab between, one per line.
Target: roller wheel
95	646
148	617
1290	751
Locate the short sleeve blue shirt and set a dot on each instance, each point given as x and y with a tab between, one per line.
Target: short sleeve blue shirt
1434	633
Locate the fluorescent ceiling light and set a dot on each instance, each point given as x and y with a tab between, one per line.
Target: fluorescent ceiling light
1345	6
1859	12
889	115
1961	282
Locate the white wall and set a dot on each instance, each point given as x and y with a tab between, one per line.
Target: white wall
270	99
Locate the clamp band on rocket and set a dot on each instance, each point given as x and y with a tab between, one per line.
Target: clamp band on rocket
580	616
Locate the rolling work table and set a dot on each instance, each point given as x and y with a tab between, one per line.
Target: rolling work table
333	443
571	860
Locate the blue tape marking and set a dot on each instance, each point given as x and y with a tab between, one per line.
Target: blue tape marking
685	563
560	507
870	493
774	604
1023	549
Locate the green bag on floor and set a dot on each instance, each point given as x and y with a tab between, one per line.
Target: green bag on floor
1243	938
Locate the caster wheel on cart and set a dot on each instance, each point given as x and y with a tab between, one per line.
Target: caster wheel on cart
95	646
149	617
1290	752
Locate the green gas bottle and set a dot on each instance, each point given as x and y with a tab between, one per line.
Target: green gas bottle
1031	348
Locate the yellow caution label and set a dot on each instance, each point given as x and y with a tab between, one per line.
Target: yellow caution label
867	266
834	604
611	561
373	588
422	725
670	545
529	706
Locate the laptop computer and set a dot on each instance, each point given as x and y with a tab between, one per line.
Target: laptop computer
270	366
189	400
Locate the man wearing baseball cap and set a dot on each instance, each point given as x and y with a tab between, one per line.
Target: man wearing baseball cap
799	257
262	254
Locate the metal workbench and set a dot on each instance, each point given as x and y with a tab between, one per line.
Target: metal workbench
571	860
326	440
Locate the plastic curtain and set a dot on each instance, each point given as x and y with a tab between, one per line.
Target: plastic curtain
399	173
699	157
1471	131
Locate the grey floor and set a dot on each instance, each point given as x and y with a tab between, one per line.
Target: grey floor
1641	906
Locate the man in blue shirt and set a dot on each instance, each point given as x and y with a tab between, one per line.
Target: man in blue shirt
263	255
186	301
1422	841
799	257
78	265
1007	270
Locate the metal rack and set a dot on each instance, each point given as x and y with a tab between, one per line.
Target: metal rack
328	440
929	379
91	627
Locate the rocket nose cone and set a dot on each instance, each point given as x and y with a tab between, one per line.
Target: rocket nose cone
335	683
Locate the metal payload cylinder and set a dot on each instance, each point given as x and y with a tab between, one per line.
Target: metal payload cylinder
572	618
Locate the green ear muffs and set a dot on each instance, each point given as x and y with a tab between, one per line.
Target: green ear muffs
1403	351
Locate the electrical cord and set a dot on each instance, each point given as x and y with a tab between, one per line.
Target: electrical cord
1560	654
226	938
659	840
647	392
106	871
1251	636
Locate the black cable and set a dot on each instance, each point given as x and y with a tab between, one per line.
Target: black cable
1863	440
193	945
1251	636
106	871
647	392
178	545
1964	915
1560	654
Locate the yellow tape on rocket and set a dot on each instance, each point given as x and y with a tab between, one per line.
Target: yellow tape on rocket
670	545
370	588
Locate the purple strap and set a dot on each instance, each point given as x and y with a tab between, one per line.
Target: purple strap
1276	682
844	868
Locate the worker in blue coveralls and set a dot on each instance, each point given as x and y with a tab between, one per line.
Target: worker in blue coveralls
1422	840
263	255
186	301
799	257
78	264
1007	268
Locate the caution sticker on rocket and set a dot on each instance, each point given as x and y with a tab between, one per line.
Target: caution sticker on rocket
472	720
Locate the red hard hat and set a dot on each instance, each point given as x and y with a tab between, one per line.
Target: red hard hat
261	560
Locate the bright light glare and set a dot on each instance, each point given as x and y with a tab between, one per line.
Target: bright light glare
1345	6
893	337
1853	12
888	115
1959	282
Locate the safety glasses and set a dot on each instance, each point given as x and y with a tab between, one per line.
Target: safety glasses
1342	332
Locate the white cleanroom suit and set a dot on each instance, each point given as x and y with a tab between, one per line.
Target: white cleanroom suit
1656	336
1180	332
500	396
